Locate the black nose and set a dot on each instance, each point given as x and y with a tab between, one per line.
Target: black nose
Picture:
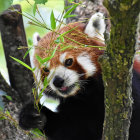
58	81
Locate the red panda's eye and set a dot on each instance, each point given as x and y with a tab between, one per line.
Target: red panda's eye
45	69
68	62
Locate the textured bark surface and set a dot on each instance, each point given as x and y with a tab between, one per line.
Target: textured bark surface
13	36
117	68
7	130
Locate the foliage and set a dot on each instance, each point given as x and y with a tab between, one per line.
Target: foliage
40	1
4	4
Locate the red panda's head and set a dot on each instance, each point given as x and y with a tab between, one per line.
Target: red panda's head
69	68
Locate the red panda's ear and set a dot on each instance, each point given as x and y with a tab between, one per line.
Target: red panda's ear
36	38
96	26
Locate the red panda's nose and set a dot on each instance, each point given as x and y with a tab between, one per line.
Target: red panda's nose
58	81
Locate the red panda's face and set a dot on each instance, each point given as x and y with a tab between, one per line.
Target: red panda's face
69	70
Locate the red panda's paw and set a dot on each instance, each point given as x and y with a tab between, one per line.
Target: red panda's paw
30	117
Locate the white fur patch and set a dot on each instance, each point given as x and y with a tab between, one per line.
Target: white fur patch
86	63
93	31
62	57
36	38
70	77
49	102
32	52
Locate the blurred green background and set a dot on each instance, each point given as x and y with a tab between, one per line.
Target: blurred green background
56	5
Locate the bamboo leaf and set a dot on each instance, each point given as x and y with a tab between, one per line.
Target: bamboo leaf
9	97
37	132
22	63
34	8
67	7
27	52
5	4
70	10
40	1
53	22
52	55
68	16
45	81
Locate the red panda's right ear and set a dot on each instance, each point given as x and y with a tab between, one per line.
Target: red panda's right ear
36	38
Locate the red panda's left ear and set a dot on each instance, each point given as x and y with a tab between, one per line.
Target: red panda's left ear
36	38
96	26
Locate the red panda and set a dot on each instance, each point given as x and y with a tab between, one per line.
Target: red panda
75	84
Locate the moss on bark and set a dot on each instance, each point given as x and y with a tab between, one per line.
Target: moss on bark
117	68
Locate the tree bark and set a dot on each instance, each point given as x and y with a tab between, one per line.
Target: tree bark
13	36
7	130
117	68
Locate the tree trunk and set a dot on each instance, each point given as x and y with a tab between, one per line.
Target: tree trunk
117	68
13	36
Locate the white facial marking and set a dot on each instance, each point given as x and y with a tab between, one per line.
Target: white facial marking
86	63
49	102
70	77
62	57
98	29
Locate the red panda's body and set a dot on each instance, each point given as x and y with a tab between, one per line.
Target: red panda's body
75	84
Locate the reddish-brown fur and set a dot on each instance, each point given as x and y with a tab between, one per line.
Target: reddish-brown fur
77	34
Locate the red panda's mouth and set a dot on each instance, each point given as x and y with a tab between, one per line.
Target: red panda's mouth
66	90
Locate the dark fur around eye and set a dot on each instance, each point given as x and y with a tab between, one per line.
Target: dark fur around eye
68	62
45	69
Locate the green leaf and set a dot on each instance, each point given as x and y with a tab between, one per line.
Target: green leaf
3	118
40	1
30	42
27	52
53	22
62	39
64	48
8	113
9	97
22	63
70	10
34	8
37	132
68	16
57	40
45	81
5	4
67	32
70	1
52	55
67	7
39	59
